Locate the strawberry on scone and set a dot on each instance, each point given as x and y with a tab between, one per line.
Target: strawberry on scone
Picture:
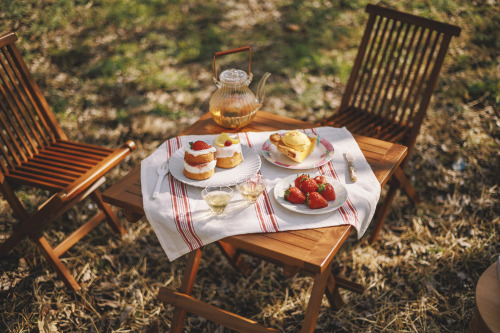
199	160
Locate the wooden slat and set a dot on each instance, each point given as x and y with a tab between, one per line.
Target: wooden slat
413	19
362	65
40	105
125	194
372	70
398	113
52	174
26	178
22	130
202	309
75	153
31	114
66	158
16	88
390	88
78	234
87	148
47	164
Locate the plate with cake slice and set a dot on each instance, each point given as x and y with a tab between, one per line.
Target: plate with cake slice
220	176
297	150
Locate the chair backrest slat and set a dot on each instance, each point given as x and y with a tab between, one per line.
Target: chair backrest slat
420	79
15	123
392	42
42	135
405	71
27	123
397	66
378	63
368	65
392	74
13	150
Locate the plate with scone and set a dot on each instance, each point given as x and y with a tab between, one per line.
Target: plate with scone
297	150
201	164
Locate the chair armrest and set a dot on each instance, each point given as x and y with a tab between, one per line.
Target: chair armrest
83	182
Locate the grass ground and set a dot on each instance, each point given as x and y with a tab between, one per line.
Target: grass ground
118	69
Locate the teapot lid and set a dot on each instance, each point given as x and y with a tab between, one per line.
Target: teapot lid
234	76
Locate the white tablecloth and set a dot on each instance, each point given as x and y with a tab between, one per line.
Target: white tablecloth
182	220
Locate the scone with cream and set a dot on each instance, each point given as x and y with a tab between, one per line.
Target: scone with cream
199	160
294	144
227	151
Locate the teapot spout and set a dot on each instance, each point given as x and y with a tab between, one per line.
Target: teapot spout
260	89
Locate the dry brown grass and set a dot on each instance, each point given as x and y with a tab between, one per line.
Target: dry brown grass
421	274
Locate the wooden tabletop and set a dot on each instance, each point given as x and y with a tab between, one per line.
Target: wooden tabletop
306	249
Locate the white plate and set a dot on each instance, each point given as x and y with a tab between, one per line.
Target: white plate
340	196
322	154
222	177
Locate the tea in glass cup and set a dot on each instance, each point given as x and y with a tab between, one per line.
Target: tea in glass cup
217	197
251	188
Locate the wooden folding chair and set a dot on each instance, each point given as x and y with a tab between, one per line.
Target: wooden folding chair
35	152
390	87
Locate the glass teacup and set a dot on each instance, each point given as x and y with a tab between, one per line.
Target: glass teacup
251	188
217	197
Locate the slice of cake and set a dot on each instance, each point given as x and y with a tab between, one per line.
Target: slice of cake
228	151
295	145
199	160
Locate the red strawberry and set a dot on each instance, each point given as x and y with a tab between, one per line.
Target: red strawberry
308	185
228	143
294	195
320	179
327	191
315	200
300	179
199	145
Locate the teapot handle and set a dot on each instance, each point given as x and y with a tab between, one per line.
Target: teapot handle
240	49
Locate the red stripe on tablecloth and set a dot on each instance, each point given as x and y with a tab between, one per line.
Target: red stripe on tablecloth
270	209
182	209
259	208
348	208
185	199
171	183
355	212
267	200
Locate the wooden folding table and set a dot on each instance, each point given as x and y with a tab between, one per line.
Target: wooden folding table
309	251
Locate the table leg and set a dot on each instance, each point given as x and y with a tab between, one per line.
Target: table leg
186	288
320	281
332	293
234	257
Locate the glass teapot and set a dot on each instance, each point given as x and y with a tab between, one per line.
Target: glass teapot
233	105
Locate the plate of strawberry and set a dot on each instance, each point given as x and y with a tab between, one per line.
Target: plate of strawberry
307	194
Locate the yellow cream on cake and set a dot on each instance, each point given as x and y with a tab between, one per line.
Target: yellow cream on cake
296	140
295	145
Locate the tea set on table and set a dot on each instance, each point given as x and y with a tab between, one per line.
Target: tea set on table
233	105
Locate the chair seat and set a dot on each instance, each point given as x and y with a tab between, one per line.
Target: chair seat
369	124
58	165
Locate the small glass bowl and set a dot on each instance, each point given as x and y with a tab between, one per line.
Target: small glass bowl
217	197
251	188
